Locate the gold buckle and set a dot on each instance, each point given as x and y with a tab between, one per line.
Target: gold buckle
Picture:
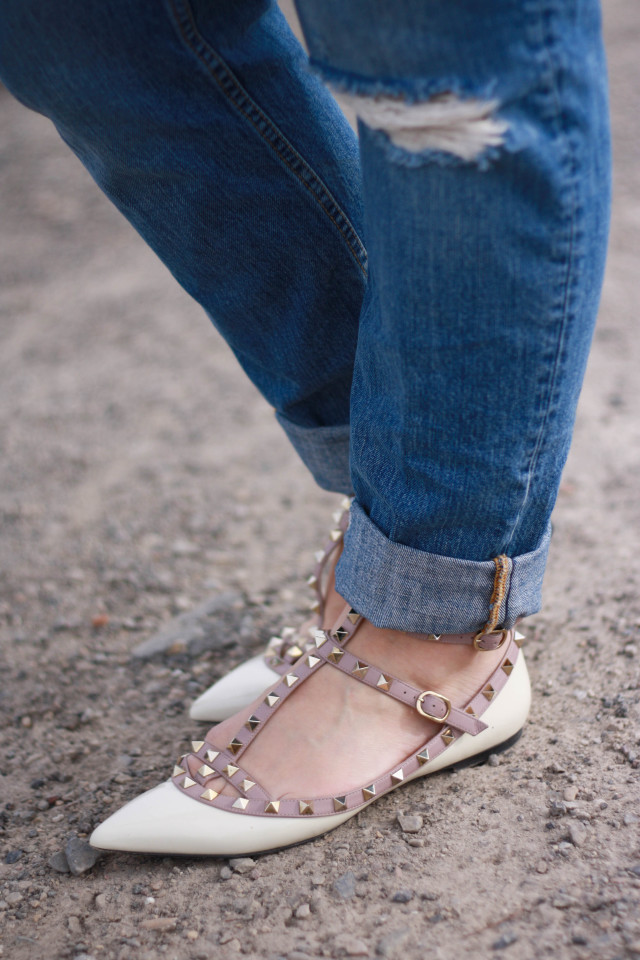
429	716
480	635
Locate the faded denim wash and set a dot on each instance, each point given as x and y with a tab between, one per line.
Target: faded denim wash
437	380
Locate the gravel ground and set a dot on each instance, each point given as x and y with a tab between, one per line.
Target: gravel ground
140	476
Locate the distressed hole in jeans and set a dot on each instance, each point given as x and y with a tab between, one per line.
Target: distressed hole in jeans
465	128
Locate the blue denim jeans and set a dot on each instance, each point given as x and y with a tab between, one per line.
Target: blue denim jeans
434	375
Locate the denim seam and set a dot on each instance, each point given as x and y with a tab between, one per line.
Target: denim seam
231	87
569	166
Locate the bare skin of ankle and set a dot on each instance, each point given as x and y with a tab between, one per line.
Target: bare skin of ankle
337	734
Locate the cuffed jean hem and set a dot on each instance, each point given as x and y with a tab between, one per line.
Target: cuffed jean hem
324	450
402	588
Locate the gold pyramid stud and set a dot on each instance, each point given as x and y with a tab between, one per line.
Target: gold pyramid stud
288	632
290	679
337	516
312	581
235	746
320	638
359	669
230	770
315	606
336	655
433	636
275	661
448	736
205	770
368	792
177	771
188	782
294	652
507	666
518	638
423	757
209	794
398	776
197	745
312	661
305	808
240	803
489	692
336	535
252	722
383	682
271	699
246	785
341	633
345	503
211	755
272	807
353	616
274	642
319	556
469	710
339	803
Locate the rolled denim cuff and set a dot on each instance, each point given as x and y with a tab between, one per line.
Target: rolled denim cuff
402	588
324	450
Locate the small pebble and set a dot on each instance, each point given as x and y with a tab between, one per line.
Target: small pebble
13	856
402	896
303	911
570	794
629	819
226	873
542	866
409	822
192	934
577	833
242	864
493	761
74	926
504	941
345	886
13	898
80	856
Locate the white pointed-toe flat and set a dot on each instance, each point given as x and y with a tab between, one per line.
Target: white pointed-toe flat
246	682
185	815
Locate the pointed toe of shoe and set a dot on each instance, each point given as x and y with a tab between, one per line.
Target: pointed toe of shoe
234	691
166	821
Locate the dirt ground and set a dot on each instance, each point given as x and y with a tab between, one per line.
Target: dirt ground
140	474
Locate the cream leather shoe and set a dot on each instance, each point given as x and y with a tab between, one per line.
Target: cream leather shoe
186	815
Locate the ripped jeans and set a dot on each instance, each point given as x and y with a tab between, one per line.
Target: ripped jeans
435	374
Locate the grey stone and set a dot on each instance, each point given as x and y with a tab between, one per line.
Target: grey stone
409	822
345	886
191	631
13	856
242	864
226	873
402	896
493	761
577	833
504	941
629	819
80	856
13	898
59	862
303	911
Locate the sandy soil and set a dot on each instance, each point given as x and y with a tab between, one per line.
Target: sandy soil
140	475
